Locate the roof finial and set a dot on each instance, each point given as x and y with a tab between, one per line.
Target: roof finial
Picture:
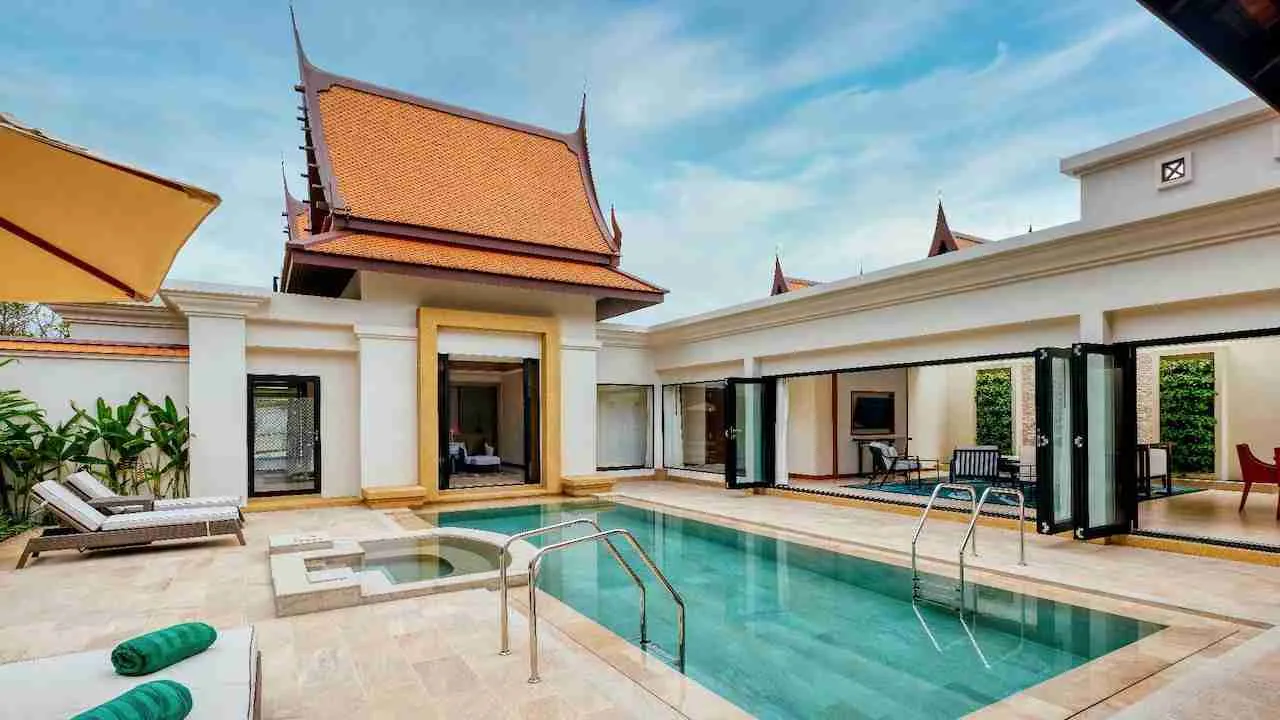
617	229
297	40
582	113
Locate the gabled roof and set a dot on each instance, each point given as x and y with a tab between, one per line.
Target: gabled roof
946	240
479	194
784	284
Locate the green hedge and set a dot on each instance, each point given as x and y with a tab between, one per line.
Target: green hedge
993	395
1186	412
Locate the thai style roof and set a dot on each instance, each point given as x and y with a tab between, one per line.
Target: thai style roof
415	183
946	240
783	283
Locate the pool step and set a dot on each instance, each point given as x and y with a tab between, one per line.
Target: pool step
656	650
942	591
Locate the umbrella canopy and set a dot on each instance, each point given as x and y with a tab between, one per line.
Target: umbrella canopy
75	227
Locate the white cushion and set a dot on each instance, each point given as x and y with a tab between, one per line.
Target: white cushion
70	505
221	681
484	460
1158	462
164	518
92	487
198	502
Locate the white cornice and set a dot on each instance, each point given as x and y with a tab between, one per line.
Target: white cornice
385	332
214	300
616	335
148	315
1036	255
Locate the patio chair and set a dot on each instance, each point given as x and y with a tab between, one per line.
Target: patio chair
976	464
1255	472
100	496
1153	463
88	529
887	463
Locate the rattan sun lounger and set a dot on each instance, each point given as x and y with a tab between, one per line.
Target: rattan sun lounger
100	496
88	529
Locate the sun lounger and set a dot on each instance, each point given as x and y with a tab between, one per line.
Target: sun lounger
225	681
100	496
88	529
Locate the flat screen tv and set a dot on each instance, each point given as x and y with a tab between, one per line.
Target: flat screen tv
872	413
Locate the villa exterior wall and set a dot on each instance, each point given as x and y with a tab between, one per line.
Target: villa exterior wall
55	381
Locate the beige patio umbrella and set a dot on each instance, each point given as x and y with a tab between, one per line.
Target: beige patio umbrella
75	227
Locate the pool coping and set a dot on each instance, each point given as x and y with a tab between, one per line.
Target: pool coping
1186	634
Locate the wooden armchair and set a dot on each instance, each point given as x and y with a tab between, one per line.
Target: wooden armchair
1253	471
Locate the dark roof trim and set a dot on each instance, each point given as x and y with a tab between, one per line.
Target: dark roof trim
300	256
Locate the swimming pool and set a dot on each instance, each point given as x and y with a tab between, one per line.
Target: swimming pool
784	630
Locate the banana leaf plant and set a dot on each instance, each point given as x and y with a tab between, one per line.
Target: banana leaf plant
40	451
170	433
121	439
16	412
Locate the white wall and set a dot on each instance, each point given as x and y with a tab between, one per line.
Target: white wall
216	393
339	410
56	381
388	388
809	425
511	418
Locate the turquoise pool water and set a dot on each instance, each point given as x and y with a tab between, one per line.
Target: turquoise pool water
788	631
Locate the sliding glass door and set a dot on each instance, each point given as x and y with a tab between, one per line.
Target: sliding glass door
1105	440
1055	481
750	405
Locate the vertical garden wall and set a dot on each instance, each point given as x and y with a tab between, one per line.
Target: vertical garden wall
993	397
1187	419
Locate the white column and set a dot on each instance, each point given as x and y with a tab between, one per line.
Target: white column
217	396
1095	327
388	406
578	408
217	388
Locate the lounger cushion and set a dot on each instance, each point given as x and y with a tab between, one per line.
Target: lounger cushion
91	486
198	502
163	518
221	680
70	505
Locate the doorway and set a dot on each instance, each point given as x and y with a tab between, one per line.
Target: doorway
489	421
284	435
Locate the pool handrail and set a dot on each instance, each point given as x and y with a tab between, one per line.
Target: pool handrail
933	497
536	562
971	534
504	557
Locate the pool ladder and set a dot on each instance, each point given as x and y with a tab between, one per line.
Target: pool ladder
970	540
535	564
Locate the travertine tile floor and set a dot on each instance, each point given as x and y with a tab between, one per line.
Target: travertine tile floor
423	658
1214	514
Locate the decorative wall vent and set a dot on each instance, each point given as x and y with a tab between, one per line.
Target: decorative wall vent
1173	170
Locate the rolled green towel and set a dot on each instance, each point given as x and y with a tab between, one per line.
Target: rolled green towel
155	700
160	649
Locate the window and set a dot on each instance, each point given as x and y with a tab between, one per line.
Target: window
693	425
624	427
1174	170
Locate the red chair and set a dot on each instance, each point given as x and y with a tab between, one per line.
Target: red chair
1253	470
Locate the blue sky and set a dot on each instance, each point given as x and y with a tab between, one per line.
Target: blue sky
722	130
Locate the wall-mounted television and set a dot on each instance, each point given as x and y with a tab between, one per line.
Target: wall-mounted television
872	413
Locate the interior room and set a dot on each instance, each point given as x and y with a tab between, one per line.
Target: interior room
898	430
1208	416
624	427
490	414
694	422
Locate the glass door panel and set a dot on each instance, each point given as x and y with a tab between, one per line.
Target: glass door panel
284	435
1104	441
1054	431
749	430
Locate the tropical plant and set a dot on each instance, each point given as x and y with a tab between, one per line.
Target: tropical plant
39	451
121	439
1186	412
170	434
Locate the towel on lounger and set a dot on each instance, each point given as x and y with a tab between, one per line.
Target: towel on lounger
155	700
160	649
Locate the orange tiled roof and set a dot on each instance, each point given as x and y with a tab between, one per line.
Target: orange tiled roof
93	347
299	224
403	162
471	259
799	283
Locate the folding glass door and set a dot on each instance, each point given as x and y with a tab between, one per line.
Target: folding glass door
750	409
284	435
1086	440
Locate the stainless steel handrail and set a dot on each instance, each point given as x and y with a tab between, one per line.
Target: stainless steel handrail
971	535
536	563
973	497
504	556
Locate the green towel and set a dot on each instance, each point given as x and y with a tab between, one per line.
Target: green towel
162	648
155	700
